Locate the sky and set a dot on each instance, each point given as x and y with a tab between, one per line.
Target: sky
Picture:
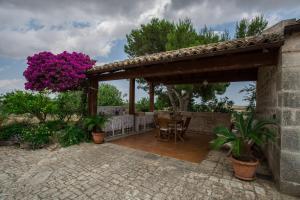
99	27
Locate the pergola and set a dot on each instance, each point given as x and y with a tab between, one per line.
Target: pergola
271	59
229	61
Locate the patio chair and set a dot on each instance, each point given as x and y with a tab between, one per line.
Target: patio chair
164	129
185	126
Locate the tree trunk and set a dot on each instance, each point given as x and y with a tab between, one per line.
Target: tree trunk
184	101
171	97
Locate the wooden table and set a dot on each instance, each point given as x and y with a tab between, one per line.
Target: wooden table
174	123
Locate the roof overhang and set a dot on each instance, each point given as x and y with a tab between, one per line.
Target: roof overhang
236	60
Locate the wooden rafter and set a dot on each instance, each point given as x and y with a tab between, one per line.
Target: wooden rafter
239	61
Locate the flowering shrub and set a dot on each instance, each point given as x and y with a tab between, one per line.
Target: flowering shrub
61	72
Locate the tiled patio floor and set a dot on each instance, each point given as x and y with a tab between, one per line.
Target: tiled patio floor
193	149
110	171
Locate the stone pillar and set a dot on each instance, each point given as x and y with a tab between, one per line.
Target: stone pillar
278	96
289	114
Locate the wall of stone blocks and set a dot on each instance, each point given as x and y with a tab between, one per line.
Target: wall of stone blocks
289	103
267	107
278	95
203	122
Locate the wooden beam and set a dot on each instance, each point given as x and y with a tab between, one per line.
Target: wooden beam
239	61
92	96
223	76
255	47
132	96
151	97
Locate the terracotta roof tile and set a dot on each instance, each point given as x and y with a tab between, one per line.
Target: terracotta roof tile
191	52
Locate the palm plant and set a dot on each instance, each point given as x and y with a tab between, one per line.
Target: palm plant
95	123
249	131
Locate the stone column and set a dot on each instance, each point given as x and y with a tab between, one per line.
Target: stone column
289	114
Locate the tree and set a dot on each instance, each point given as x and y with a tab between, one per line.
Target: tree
245	27
143	105
178	35
182	35
109	95
223	105
68	104
250	96
149	38
56	73
37	105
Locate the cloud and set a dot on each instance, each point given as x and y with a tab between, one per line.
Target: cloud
215	12
11	84
93	26
32	26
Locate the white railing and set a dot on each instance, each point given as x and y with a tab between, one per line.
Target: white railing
128	124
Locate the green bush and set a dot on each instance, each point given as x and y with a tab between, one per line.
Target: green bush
143	105
68	104
37	105
37	136
56	125
13	130
249	132
3	115
109	95
72	134
223	105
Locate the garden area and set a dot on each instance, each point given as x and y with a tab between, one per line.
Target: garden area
63	105
53	109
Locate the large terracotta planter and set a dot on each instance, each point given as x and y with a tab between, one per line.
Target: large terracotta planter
244	170
98	138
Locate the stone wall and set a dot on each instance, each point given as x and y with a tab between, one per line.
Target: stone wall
289	112
204	122
267	107
278	96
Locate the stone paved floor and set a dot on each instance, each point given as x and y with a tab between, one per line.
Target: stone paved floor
109	171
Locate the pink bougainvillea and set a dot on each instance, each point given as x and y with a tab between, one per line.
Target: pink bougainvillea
61	72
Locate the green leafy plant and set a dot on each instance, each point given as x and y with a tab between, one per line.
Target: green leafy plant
12	130
3	115
109	95
55	125
249	131
37	136
37	105
68	104
250	96
143	105
223	105
95	123
72	134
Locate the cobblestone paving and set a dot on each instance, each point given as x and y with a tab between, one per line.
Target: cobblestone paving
109	171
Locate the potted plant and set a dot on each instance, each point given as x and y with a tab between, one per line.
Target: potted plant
96	124
248	131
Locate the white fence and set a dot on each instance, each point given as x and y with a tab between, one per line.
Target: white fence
128	124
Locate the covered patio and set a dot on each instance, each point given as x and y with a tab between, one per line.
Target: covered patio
194	149
267	59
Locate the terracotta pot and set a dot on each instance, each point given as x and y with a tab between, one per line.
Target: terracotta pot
98	138
244	170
